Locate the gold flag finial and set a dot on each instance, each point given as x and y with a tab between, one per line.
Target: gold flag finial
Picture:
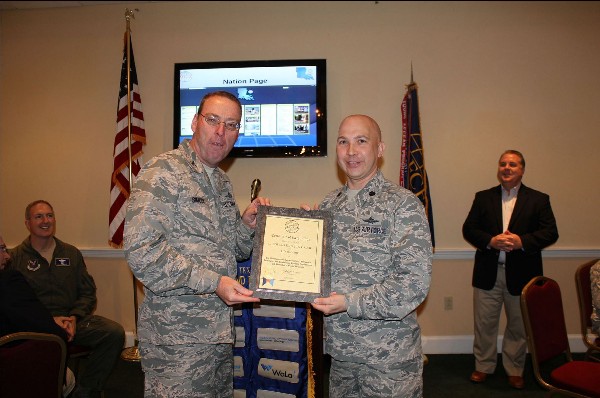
129	14
412	83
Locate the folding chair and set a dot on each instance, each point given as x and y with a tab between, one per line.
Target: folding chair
32	365
548	343
584	295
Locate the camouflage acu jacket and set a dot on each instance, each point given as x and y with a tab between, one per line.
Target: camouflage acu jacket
382	262
180	236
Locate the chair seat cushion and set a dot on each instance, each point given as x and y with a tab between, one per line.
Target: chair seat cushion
578	376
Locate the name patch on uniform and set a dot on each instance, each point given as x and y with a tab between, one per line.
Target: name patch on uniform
62	262
370	229
197	199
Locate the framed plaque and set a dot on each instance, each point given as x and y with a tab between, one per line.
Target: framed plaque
291	259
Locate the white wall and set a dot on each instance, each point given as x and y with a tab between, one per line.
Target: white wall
491	76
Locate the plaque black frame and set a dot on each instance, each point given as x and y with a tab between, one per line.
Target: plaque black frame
288	295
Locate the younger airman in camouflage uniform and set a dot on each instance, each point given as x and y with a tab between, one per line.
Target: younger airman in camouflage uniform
380	274
183	235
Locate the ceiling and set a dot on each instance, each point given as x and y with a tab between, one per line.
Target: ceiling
25	5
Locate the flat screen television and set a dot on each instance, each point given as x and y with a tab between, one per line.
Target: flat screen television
283	104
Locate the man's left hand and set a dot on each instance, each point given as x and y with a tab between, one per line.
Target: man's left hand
330	305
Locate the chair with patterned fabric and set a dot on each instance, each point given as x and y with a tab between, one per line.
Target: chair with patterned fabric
584	295
548	343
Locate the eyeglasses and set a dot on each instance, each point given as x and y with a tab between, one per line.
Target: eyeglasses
214	120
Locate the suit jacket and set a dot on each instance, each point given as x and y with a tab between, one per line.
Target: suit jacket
532	219
20	309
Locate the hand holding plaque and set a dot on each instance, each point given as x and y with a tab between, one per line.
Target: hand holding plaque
291	258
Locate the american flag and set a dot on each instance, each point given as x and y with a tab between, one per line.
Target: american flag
119	185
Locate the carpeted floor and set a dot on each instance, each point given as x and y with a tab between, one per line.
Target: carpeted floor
444	376
126	381
448	376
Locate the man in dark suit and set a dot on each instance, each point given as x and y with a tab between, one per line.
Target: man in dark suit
509	225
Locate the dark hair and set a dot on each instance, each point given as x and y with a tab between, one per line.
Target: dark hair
35	202
514	152
224	94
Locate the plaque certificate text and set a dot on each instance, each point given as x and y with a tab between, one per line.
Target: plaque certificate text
292	255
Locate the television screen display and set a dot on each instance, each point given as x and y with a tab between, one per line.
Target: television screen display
283	104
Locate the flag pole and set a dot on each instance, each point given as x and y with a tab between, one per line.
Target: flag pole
128	16
130	353
409	87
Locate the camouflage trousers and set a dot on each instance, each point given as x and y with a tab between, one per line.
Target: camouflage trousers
187	371
360	380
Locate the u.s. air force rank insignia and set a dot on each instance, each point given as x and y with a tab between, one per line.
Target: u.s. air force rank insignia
62	262
33	265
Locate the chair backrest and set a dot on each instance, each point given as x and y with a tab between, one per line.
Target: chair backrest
543	314
584	294
32	365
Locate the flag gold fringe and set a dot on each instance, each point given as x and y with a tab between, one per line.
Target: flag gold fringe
309	345
114	245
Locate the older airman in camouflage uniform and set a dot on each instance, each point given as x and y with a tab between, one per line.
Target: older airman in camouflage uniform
183	235
380	274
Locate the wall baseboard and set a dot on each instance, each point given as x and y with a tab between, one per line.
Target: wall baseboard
464	344
440	254
436	344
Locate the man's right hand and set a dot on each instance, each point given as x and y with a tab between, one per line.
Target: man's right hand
232	292
503	242
68	324
306	207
